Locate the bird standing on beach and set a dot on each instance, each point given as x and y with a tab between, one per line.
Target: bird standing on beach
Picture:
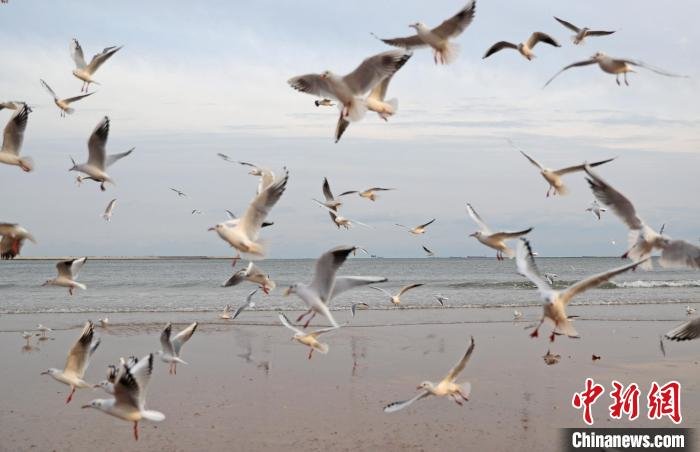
459	392
85	71
77	361
12	139
170	348
67	274
524	48
396	299
495	240
444	51
13	237
64	104
417	230
582	33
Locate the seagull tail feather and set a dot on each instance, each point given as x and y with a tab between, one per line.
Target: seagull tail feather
153	415
357	109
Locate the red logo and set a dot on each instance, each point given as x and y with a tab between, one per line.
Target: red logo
665	401
587	398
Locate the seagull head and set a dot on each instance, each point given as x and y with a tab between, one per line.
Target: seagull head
598	56
475	234
217	227
48	282
326	74
425	385
97	403
51	371
290	290
417	26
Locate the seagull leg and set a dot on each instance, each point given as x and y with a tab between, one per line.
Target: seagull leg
70	396
70	290
626	82
617	79
311	352
551	337
136	430
265	289
461	394
102	186
435	54
174	368
303	315
236	258
309	320
457	401
535	333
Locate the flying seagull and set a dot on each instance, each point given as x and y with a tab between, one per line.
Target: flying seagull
556	301
444	51
98	160
248	303
396	299
129	402
13	237
495	240
356	306
308	339
170	348
77	361
243	234
350	88
596	209
254	274
525	48
615	66
331	201
67	275
180	194
441	299
370	193
114	373
12	139
64	104
582	33
339	220
325	285
459	392
428	252
417	230
85	71
107	215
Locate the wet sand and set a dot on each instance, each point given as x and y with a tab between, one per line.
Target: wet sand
248	387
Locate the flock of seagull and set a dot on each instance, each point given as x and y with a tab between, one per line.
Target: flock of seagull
127	381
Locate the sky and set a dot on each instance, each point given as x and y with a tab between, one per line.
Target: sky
197	78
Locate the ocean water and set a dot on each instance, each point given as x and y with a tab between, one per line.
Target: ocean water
194	285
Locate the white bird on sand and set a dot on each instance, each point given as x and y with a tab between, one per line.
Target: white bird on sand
550	277
444	51
555	301
615	66
107	215
417	230
689	310
43	329
517	315
254	274
64	104
67	274
375	102
226	313
180	194
12	139
27	336
243	234
441	299
104	322
495	240
309	339
686	331
77	361
370	193
525	48
642	238
597	209
248	303
396	299
170	348
85	71
339	220
582	33
554	177
459	392
98	160
356	306
13	237
325	285
350	88
428	252
129	402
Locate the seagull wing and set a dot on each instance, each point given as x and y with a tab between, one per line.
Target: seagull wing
456	24
426	249
533	161
235	279
595	281
527	267
100	58
345	283
409	287
374	69
599	33
510	235
568	25
257	211
246	304
425	225
183	336
97	143
131	387
576	168
497	47
576	64
312	84
538	36
396	406
79	355
76	52
70	100
326	267
48	89
165	343
76	265
459	367
285	321
618	203
348	192
679	253
13	136
686	331
384	291
652	68
340	128
112	158
477	219
327	190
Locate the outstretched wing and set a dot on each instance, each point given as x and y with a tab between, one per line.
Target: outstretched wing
527	267
285	321
686	331
595	281
70	100
257	211
182	337
456	24
568	25
97	144
79	355
459	367
497	47
510	235
409	287
396	406
13	136
653	69
374	69
326	267
345	283
48	89
112	158
538	36
679	253
165	343
327	190
313	84
576	168
425	225
620	205
477	219
576	64
76	52
100	58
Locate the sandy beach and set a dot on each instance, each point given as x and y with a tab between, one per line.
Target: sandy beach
248	387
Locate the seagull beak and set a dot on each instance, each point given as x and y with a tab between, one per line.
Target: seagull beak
86	406
473	234
287	291
46	372
418	387
213	228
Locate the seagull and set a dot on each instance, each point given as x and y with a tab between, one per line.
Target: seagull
267	177
553	177
686	331
597	209
428	252
254	274
85	71
64	104
582	33
348	89
642	238
525	48
550	358
331	201
77	361
180	194
615	66
43	330
495	240
517	315
324	103
114	373
550	277
103	322
170	348
233	221
243	235
325	285
225	315
98	160
129	402
441	299
196	212
555	301
340	220
13	237
689	310
396	299
12	104
226	157
26	335
308	339
248	303
356	306
447	387
67	274
418	229
107	215
12	139
375	102
444	51
368	194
